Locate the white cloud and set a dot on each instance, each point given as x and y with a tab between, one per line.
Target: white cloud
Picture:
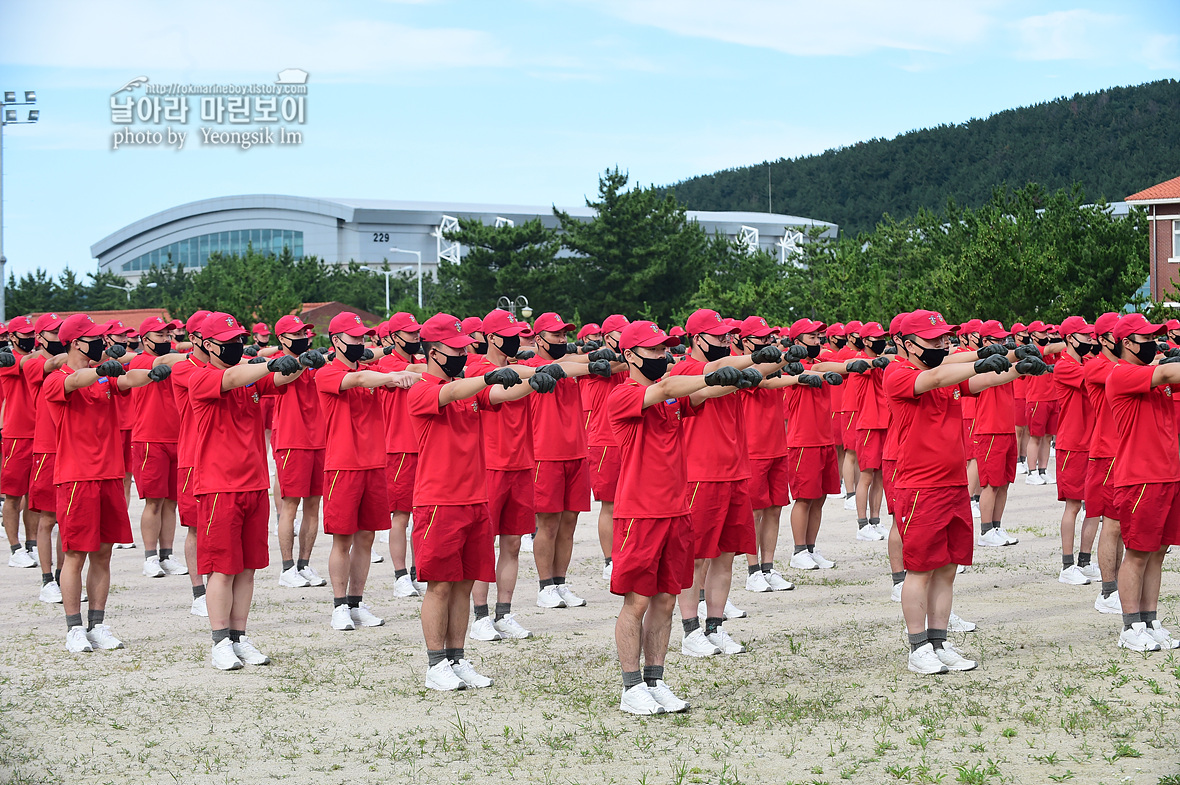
1161	51
1064	35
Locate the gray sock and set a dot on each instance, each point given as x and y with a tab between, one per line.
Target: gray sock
606	560
354	600
1083	559
481	612
435	656
148	554
198	591
862	522
874	521
288	564
936	637
546	582
454	655
811	547
767	566
1129	619
984	527
800	548
220	635
399	573
236	635
1147	617
558	580
72	619
94	617
1066	560
753	568
503	609
1109	588
917	640
652	674
46	577
691	625
165	553
712	624
631	679
898	577
301	563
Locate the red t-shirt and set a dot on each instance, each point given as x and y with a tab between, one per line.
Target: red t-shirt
507	430
1020	386
1104	440
595	392
1040	388
354	443
849	393
124	405
44	431
186	438
809	416
932	453
872	412
995	410
559	431
715	439
89	446
451	469
968	401
1075	424
230	450
395	407
1146	421
20	407
765	416
156	417
653	474
297	423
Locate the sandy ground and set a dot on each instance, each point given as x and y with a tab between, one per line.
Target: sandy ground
823	695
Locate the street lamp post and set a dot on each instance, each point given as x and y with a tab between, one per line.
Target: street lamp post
386	273
417	254
8	117
127	289
511	305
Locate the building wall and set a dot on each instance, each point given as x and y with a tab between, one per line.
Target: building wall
1165	269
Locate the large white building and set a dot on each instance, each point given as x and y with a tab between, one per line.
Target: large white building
362	230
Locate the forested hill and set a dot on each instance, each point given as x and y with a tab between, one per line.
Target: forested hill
1113	143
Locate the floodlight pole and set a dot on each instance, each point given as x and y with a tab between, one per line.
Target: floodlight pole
30	99
417	254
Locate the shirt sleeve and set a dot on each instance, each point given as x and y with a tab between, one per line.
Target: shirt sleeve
266	385
54	387
205	384
899	384
422	399
329	378
1068	374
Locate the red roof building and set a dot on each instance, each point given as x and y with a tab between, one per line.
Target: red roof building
1162	203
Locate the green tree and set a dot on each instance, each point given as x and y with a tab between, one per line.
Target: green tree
252	287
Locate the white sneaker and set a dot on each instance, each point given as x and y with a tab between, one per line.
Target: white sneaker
526	543
1162	636
342	618
124	546
895	594
1050	479
248	653
549	597
383	537
1110	604
882	529
607	571
171	566
756	581
722	641
955	624
21	558
1072	576
223	656
292	579
404	587
992	538
666	698
465	671
101	638
953	660
50	592
868	533
1021	467
960	569
200	607
695	644
362	616
442	677
510	628
1138	639
777	582
1034	478
420	586
1091	571
152	568
733	612
312	577
639	700
820	561
803	561
485	630
924	660
1010	540
975	509
850	503
375	557
77	641
571	600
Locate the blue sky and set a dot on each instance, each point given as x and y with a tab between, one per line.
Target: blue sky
523	101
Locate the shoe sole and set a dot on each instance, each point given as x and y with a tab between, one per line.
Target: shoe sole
961	668
944	669
439	688
344	629
1140	649
641	712
1108	610
700	655
294	585
485	640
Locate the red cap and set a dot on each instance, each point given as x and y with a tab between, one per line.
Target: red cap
260	329
79	325
872	330
291	325
926	324
382	329
993	329
3	329
176	324
472	324
526	331
677	331
805	326
706	322
348	323
195	321
1076	324
447	330
835	330
551	322
616	321
1135	324
20	324
589	329
895	323
47	322
152	324
1037	327
116	327
1018	327
755	327
970	326
220	326
644	334
1102	325
502	323
403	322
1171	324
853	327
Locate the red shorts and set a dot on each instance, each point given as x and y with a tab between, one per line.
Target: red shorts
1149	514
1071	475
454	543
837	431
232	532
153	464
355	501
562	485
1021	407
300	472
847	431
186	504
400	470
510	502
968	438
127	458
605	463
812	472
769	483
889	484
1042	417
722	518
996	457
92	513
651	556
1099	490
268	414
17	470
42	491
935	527
870	444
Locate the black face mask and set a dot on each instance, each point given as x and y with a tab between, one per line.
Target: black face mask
158	347
5	345
353	352
133	346
411	347
452	366
1023	339
509	344
607	344
299	345
931	358
877	346
480	347
1042	341
230	353
93	350
858	343
26	345
713	353
54	347
653	368
840	343
812	351
1085	349
556	350
261	343
1146	352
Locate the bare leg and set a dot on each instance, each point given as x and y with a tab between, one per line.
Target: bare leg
458	614
190	557
398	523
1069	520
310	526
563	546
243	595
45	523
606	525
718	578
362	548
689	597
657	628
288	506
339	564
752	558
168	524
149	523
11	510
435	612
507	567
629	630
545	543
1110	543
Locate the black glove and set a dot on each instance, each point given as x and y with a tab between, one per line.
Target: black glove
1171	358
255	360
833	378
993	364
571	348
890	349
525	354
599	368
811	380
750	378
1172	353
1033	366
283	364
250	351
330	356
1027	351
7	359
1162	346
991	350
311	359
604	354
784	342
797	352
367	355
856	366
388	350
159	373
505	377
767	354
794	368
725	376
1010	343
542	382
591	346
678	349
554	370
880	362
115	351
775	374
111	369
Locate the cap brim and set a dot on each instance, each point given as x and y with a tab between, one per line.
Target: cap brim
655	340
225	335
357	331
557	328
509	331
761	332
936	331
93	331
720	329
456	341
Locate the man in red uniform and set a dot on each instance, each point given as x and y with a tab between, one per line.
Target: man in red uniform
870	421
1074	430
1042	408
1019	387
600	440
1146	477
889	466
993	443
19	425
971	341
89	472
843	414
186	456
1099	483
297	440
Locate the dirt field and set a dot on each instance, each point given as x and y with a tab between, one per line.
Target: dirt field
822	696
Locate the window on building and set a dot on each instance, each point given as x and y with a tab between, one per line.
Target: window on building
193	252
1175	239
